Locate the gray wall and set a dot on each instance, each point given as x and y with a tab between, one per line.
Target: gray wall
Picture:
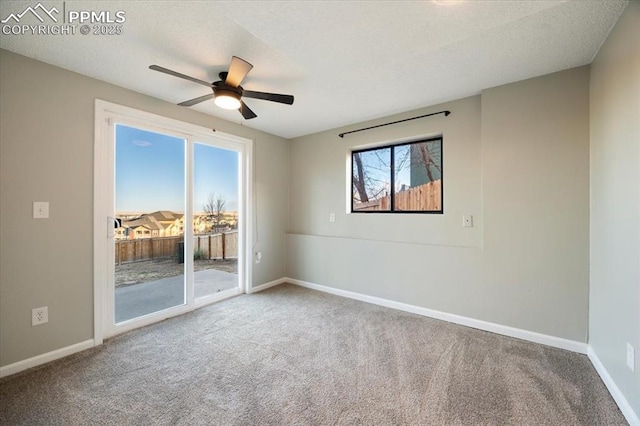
614	303
46	154
517	159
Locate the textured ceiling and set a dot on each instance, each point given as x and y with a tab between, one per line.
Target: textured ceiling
345	62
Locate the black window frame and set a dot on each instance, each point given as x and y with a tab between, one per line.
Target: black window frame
392	147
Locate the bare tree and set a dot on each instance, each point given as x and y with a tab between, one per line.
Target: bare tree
358	178
402	162
429	158
214	210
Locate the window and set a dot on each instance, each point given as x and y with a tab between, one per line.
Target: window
403	178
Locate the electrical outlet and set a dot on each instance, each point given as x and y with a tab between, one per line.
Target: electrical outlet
39	316
332	217
467	221
631	357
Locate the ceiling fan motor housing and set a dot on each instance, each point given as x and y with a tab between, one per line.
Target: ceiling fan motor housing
220	89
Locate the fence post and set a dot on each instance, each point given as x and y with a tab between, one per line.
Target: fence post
209	252
223	246
151	248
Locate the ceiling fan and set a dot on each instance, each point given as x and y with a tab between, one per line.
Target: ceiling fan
227	92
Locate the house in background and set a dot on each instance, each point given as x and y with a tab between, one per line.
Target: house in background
547	166
142	227
150	225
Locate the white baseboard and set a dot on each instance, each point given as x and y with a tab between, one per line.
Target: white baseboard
570	345
531	336
268	285
25	364
618	397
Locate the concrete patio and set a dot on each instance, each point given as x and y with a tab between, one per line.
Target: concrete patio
141	299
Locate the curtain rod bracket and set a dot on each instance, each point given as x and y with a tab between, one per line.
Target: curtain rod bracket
446	114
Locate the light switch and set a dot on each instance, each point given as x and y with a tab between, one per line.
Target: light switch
41	210
467	221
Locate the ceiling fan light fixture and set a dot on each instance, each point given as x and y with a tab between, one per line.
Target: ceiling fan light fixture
227	99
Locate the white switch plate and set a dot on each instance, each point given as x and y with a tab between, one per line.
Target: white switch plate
41	210
467	221
332	217
258	256
39	316
631	357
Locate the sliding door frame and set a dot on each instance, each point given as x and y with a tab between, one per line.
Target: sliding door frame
107	115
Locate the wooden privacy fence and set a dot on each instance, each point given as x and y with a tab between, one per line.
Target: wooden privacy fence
215	246
424	197
420	198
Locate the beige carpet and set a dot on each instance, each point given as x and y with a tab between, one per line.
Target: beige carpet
290	355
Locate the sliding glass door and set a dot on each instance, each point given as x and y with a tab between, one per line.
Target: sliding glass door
215	219
149	208
174	198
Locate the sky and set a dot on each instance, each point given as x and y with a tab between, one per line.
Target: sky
150	172
376	164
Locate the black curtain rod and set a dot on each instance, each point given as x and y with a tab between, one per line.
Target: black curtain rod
446	113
